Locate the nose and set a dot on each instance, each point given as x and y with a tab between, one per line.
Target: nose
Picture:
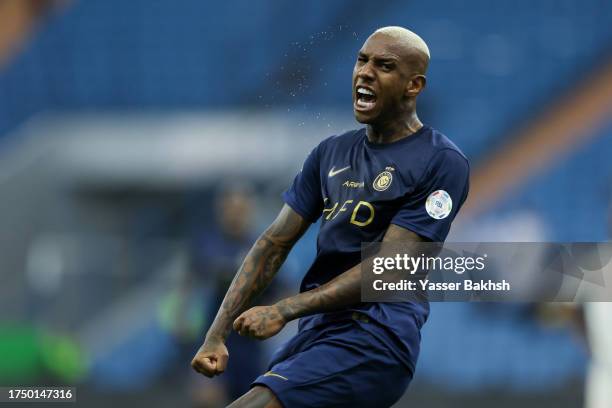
365	71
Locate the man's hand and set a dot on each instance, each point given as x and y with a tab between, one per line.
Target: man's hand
211	358
257	270
260	322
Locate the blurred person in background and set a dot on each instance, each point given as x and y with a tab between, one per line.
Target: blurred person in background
598	389
598	316
216	254
219	253
347	351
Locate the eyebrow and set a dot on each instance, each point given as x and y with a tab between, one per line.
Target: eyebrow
380	58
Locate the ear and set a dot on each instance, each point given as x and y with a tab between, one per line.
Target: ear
415	85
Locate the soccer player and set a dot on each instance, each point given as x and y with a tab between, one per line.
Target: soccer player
396	180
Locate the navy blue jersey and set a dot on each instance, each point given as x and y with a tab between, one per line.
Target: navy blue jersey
358	189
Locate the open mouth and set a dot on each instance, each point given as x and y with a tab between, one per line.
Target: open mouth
365	99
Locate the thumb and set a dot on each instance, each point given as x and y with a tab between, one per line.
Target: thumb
238	322
205	365
210	363
221	363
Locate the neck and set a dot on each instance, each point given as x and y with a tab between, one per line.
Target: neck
395	130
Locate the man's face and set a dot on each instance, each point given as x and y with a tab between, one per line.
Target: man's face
234	211
380	77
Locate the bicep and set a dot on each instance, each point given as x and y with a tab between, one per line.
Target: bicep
395	233
400	240
287	228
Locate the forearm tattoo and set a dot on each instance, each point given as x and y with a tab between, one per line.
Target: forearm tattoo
258	268
342	291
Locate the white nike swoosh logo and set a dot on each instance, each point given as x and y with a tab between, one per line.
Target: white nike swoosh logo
333	172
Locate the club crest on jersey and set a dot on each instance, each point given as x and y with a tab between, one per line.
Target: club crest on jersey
439	204
383	181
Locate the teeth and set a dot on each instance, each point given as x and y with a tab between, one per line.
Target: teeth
365	91
365	105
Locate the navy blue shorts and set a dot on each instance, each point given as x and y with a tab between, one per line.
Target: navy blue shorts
336	365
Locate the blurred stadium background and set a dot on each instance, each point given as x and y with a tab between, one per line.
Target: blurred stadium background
135	134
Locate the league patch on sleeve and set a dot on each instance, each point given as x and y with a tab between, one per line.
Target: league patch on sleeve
439	204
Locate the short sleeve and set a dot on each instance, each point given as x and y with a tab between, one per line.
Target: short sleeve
441	192
304	195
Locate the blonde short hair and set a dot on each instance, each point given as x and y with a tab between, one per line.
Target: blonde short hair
406	36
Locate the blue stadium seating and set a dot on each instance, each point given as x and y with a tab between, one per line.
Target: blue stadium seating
488	72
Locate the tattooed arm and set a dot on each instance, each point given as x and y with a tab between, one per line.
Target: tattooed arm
257	270
344	290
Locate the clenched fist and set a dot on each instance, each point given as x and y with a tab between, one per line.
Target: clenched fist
211	358
260	322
